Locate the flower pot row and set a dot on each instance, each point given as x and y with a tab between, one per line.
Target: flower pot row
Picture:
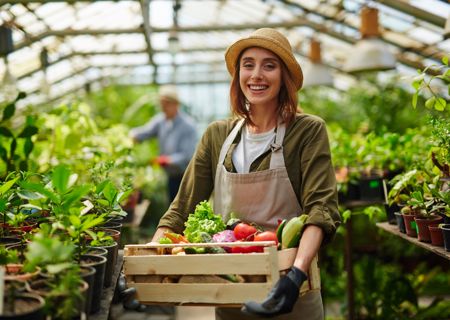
96	267
431	230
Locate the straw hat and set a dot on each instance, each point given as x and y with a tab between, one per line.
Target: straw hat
269	39
168	92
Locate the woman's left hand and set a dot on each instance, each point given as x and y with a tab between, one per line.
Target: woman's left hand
281	298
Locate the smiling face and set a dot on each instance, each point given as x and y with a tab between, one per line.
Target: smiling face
260	76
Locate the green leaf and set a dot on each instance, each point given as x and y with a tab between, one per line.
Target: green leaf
416	85
5	132
28	132
429	104
414	100
9	111
29	195
75	220
7	185
346	215
60	178
92	223
12	148
28	147
445	60
58	267
40	189
110	192
440	104
21	95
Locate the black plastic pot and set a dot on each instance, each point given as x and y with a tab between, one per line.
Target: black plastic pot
446	233
390	212
97	251
400	222
8	241
33	308
88	275
112	225
99	263
112	252
371	189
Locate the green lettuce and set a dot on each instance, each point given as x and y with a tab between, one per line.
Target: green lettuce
202	220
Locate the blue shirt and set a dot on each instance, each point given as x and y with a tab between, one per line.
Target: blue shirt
177	139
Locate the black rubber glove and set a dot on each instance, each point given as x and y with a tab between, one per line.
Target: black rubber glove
128	295
281	298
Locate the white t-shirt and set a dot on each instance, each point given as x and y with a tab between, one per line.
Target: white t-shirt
251	146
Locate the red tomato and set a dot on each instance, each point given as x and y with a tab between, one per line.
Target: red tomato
247	249
244	231
266	236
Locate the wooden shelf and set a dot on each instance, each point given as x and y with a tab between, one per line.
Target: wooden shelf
394	230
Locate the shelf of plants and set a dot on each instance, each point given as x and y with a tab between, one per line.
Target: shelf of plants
395	231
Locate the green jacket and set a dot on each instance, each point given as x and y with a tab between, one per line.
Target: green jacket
307	157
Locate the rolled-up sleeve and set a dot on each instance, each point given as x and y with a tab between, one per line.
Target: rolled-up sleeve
318	182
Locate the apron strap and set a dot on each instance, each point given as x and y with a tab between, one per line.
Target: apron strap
229	140
277	158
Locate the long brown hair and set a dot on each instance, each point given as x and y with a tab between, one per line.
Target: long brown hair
287	97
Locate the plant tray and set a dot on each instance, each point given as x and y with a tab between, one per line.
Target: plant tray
194	279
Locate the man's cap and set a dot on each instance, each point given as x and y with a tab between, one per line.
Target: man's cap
168	92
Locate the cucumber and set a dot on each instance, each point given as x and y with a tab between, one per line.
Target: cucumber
280	229
292	231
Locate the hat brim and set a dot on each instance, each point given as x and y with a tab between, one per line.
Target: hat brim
293	67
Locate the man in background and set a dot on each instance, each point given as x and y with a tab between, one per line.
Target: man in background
176	134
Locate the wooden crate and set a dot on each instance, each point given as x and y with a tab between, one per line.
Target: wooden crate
145	269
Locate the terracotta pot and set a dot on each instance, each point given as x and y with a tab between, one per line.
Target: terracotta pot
14	273
410	225
437	238
422	226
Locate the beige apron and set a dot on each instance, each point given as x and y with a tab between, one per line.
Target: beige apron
263	197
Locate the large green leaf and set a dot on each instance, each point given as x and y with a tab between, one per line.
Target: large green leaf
40	189
28	132
60	178
5	132
75	195
9	111
28	147
7	185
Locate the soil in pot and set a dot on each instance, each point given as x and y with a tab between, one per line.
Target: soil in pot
26	307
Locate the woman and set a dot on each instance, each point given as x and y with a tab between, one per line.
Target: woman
270	163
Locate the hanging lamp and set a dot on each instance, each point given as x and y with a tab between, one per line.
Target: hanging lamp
370	53
316	73
447	28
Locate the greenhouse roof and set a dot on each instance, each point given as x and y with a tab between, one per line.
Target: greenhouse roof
63	47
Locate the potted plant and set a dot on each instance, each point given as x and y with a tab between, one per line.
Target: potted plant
423	214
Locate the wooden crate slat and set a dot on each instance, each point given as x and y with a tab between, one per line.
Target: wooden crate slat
232	293
198	264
